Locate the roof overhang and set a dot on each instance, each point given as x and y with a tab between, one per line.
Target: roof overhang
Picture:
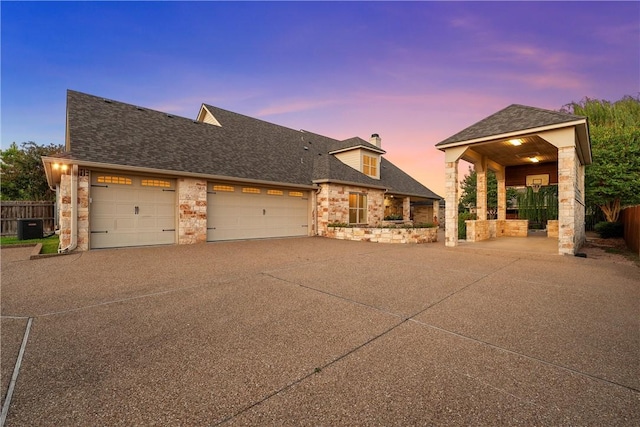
356	147
55	167
537	140
377	187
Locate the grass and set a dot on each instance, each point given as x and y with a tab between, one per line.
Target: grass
49	244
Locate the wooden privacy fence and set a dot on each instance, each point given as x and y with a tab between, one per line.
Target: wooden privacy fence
11	211
630	217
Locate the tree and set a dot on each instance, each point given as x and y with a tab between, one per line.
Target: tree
469	187
22	171
613	180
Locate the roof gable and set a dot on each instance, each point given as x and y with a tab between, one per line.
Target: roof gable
511	119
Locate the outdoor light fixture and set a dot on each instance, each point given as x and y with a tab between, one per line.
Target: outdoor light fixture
534	159
515	142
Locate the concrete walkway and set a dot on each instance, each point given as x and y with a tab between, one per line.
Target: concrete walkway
313	331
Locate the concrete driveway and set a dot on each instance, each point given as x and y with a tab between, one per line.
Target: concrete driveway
313	331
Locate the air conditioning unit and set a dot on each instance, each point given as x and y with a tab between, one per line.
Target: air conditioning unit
29	229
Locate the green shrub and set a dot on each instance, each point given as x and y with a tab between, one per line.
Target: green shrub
393	218
610	229
423	225
339	224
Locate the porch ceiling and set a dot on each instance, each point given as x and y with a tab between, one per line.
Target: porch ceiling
507	154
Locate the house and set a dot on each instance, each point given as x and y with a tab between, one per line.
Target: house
133	176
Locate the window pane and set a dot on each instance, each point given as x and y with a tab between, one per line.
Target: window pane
223	188
353	219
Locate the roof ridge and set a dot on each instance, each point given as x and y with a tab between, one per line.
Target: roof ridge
544	110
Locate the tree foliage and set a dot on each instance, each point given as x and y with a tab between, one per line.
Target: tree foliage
469	187
613	180
22	171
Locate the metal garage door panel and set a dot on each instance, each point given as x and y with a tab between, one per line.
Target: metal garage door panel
131	214
236	215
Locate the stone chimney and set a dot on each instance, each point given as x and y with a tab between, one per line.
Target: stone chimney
376	140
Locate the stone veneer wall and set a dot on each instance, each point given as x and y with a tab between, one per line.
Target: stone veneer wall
333	205
568	205
84	182
384	235
192	211
422	214
478	230
82	214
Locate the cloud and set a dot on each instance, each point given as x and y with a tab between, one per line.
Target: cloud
297	105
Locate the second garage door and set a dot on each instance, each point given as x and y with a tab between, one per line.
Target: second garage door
246	212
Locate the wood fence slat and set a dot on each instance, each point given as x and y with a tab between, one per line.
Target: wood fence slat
12	210
630	217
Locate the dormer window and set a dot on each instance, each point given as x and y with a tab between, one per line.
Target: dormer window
370	166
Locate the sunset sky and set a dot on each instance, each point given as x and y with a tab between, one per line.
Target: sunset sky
415	73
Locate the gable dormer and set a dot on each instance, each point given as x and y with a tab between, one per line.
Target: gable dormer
360	155
205	116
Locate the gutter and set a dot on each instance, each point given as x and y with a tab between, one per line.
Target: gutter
74	212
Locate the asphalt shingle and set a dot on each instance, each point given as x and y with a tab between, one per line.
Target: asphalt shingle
511	119
243	147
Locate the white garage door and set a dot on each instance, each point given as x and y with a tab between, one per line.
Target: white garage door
131	211
246	212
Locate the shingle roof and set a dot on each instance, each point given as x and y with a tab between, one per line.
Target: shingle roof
243	147
511	119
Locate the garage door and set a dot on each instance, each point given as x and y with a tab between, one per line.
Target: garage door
131	211
246	212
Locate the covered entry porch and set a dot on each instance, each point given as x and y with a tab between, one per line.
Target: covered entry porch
525	147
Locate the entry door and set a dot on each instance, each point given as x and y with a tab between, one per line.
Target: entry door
131	211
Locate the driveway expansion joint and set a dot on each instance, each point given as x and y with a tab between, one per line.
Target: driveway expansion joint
14	377
533	358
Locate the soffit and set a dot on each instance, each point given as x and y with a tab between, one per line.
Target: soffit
506	154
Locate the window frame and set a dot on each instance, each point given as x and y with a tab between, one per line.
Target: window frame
370	165
359	209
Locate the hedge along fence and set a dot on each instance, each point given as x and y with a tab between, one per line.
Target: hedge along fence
630	217
11	211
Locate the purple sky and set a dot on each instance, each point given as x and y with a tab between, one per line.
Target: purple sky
415	73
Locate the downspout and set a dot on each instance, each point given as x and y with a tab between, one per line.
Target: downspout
74	212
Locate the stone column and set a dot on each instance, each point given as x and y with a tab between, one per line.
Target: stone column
502	195
566	200
451	203
436	212
64	221
481	189
192	211
406	209
84	182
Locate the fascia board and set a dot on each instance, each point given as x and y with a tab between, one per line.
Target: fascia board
355	184
172	173
355	147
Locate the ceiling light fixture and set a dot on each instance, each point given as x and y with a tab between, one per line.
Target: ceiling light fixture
515	142
534	159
